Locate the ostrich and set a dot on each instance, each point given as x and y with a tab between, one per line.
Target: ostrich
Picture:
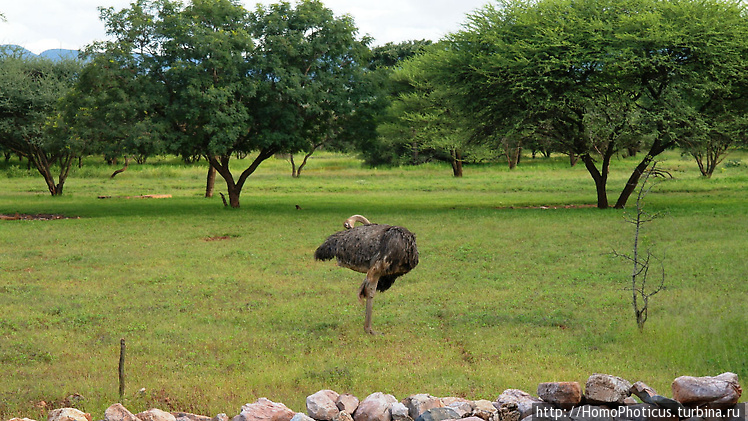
382	252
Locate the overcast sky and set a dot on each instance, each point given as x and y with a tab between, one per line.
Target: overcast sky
40	25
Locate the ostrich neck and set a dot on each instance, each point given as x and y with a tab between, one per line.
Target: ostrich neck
358	218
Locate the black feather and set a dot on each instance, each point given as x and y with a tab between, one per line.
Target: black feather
361	247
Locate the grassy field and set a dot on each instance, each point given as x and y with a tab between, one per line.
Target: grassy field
220	307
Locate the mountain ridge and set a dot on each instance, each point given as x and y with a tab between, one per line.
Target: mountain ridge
54	54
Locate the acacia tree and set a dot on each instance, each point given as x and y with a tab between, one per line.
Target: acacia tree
30	89
557	65
424	115
236	82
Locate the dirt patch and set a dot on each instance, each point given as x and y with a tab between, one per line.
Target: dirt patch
36	217
217	238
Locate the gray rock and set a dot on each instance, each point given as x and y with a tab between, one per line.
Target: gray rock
564	394
606	389
321	405
462	407
117	412
400	412
347	402
375	407
300	416
343	416
721	391
485	410
642	391
523	400
68	414
438	414
420	403
509	412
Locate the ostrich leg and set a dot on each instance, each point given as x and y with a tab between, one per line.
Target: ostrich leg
370	288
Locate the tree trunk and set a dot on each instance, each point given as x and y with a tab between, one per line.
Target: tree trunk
573	158
512	152
633	181
658	146
294	172
234	193
456	163
210	183
123	169
234	187
600	178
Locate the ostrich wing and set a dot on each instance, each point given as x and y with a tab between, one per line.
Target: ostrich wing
356	248
360	247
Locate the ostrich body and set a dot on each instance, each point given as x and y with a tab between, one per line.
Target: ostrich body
382	252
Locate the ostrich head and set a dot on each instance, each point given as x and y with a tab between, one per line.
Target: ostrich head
350	222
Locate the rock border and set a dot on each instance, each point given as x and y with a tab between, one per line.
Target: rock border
694	399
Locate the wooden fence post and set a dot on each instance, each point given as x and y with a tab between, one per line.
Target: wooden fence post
121	369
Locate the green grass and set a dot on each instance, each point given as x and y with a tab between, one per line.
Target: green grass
507	295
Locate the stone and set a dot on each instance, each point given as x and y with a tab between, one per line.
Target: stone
450	400
300	416
523	400
642	391
347	402
438	414
265	410
155	414
220	417
564	394
375	407
68	414
322	405
509	412
400	412
343	416
118	412
21	419
721	391
186	416
420	403
462	407
602	389
485	410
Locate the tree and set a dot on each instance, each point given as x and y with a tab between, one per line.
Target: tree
238	82
643	262
111	111
561	66
30	89
376	146
424	116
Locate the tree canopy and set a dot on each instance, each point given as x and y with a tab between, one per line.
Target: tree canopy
225	81
598	75
30	89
